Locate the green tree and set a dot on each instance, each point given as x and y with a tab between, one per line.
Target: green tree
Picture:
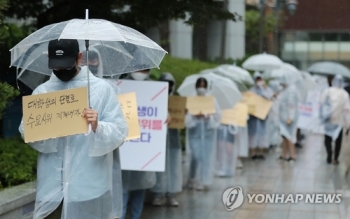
252	29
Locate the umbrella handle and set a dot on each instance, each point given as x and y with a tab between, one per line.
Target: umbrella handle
89	131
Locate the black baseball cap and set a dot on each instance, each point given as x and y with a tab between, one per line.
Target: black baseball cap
63	53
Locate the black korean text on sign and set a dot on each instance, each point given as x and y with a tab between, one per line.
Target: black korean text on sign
54	114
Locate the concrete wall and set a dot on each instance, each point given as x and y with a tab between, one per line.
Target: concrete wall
235	34
18	202
181	37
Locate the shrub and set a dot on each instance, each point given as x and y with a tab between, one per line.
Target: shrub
17	162
7	92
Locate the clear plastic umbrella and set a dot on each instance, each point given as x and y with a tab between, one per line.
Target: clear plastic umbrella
125	49
224	90
292	74
262	62
329	68
235	73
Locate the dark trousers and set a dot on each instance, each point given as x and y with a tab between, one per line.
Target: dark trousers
328	144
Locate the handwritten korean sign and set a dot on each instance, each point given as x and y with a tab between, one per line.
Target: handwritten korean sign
177	108
128	103
235	116
54	114
257	105
200	104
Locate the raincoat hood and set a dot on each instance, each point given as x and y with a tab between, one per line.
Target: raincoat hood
257	75
167	76
338	81
275	86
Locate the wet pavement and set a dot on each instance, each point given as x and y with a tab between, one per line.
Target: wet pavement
309	174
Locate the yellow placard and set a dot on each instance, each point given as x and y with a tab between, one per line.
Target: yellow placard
128	103
263	107
200	104
177	108
248	98
235	116
54	114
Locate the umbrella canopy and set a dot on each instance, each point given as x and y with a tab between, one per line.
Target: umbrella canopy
224	90
262	62
235	73
291	73
125	49
329	68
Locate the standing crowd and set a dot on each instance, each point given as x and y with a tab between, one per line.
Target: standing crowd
80	176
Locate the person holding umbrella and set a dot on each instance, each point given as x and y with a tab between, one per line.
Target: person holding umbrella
257	127
200	142
74	172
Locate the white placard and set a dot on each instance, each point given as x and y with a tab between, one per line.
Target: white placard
148	152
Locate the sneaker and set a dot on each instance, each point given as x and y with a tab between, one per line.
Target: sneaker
172	202
291	160
254	157
190	184
158	202
335	162
282	158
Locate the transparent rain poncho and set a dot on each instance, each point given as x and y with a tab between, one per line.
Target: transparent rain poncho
170	181
78	169
288	110
257	127
337	100
226	151
200	146
272	120
123	48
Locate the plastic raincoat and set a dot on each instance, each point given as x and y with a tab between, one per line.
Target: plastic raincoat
170	181
200	145
272	121
227	150
288	110
78	169
339	102
242	140
257	127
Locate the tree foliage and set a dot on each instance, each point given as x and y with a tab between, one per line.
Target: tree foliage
139	14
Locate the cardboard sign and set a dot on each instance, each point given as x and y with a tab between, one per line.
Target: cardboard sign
148	152
262	107
177	108
54	114
200	104
248	98
128	104
235	116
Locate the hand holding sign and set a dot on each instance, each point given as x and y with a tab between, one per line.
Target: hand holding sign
129	106
92	117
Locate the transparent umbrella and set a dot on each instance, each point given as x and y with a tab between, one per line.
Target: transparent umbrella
239	75
262	62
224	90
329	68
125	49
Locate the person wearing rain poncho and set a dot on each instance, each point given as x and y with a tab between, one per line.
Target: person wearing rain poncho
135	183
96	67
169	182
227	151
74	177
257	127
335	113
288	116
272	122
200	142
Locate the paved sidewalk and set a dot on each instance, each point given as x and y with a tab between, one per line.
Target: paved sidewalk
309	174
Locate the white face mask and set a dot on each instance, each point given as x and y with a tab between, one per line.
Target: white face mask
260	83
201	91
138	76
